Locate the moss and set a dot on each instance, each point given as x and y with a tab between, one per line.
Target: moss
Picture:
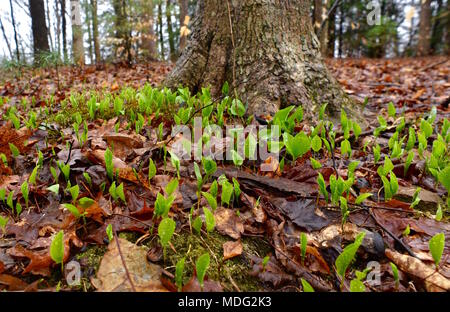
92	256
130	236
238	268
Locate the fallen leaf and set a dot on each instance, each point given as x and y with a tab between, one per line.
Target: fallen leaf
228	223
111	275
232	249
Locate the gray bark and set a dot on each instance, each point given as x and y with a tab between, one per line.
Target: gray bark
265	49
424	44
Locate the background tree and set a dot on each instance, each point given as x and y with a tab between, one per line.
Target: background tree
424	44
13	22
77	32
148	33
94	8
64	28
183	22
39	28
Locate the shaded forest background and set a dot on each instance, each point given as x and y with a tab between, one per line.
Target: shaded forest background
95	31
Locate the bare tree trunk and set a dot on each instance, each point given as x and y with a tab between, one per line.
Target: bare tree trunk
39	28
173	55
64	28
183	22
88	13
424	44
58	27
331	35
95	31
49	26
77	32
160	25
320	14
13	21
447	36
6	39
341	26
148	34
267	49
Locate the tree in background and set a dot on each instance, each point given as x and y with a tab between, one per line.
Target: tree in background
148	48
424	44
184	21
94	8
64	28
266	50
321	23
39	29
77	32
13	22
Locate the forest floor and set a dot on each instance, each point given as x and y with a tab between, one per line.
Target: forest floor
273	232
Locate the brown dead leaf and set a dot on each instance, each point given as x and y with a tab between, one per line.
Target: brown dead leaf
40	261
12	283
228	223
232	249
208	286
111	275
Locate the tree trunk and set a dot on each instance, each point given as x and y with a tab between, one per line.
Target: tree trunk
49	33
183	23
447	32
173	55
77	32
265	49
13	21
148	34
39	28
331	35
320	14
95	31
87	12
160	26
424	44
58	28
341	28
64	28
6	39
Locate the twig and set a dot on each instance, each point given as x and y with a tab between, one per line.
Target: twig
123	261
70	152
434	64
392	234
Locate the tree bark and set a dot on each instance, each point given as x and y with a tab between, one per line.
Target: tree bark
183	13
160	27
424	44
58	27
77	32
88	20
173	54
447	32
6	39
148	33
320	14
39	28
49	33
13	21
64	28
95	31
265	49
